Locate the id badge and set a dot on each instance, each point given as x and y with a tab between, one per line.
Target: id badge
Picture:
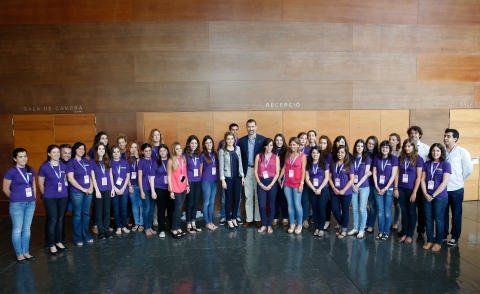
382	180
405	178
104	181
59	187
265	174
355	179
134	175
86	179
66	183
315	182
337	182
290	173
214	171
165	179
430	185
195	172
28	191
119	182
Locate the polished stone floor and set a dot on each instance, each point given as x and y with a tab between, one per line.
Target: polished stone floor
244	261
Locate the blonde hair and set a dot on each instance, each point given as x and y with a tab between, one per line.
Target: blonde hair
173	156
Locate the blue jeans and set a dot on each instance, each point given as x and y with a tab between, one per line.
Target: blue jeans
233	191
359	203
319	204
343	216
222	210
137	208
384	211
281	203
409	211
294	200
81	216
148	204
22	215
120	209
372	211
265	197
209	190
435	210
305	203
455	200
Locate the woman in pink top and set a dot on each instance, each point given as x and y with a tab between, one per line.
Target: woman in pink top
294	171
177	185
267	168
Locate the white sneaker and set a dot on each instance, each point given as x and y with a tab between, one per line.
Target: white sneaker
361	235
352	232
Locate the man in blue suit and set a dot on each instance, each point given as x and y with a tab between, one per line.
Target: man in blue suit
250	146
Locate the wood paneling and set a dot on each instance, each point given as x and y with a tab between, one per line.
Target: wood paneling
364	123
349	66
433	123
207	66
333	123
363	11
295	122
278	36
199	124
31	68
115	123
71	128
26	99
414	39
33	132
477	95
394	121
98	11
134	37
269	123
32	11
185	10
449	12
406	95
6	150
280	95
166	122
435	67
29	39
222	119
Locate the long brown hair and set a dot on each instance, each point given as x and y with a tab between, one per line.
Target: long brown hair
224	147
105	159
413	155
205	151
128	155
150	137
327	150
289	152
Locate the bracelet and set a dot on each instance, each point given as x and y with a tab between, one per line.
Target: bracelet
395	188
302	183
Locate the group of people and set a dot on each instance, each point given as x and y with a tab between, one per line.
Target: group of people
304	179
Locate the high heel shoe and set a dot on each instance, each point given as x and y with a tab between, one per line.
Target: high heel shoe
53	252
231	227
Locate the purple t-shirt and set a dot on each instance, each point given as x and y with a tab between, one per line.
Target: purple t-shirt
91	152
437	169
315	172
192	164
207	175
306	150
120	169
21	180
159	171
339	172
408	182
146	167
329	158
359	169
384	168
133	170
154	152
80	169
53	176
102	175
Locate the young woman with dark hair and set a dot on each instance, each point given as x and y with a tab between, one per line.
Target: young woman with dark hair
280	149
208	170
100	137
192	154
121	179
396	145
325	145
145	167
372	150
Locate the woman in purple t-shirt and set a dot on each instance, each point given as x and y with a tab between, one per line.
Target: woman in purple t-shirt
435	176
192	155
53	185
121	178
19	186
133	159
145	167
325	145
209	174
406	186
385	168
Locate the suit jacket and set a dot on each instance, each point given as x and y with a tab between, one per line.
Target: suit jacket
243	144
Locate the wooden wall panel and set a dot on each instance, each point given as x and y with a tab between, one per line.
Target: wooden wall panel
166	122
449	12
280	95
199	124
295	122
414	39
349	66
477	95
31	68
364	123
115	123
269	123
394	121
207	66
214	10
364	11
33	132
407	95
134	37
333	123
6	150
433	123
71	128
222	119
31	11
98	11
32	39
279	36
435	67
17	98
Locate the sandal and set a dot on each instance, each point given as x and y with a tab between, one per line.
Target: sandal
369	230
402	239
379	236
342	235
384	237
338	232
141	228
191	230
408	241
436	247
148	232
210	227
153	232
175	234
262	229
270	230
135	228
196	229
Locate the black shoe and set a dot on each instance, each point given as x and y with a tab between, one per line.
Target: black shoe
108	235
101	237
231	228
222	221
31	258
62	249
400	233
393	229
452	242
51	252
22	261
239	221
421	237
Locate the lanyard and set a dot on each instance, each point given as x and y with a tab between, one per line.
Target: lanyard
59	175
407	164
277	151
337	170
82	165
194	159
384	165
267	161
163	163
181	166
432	171
357	164
27	179
315	168
102	167
292	162
117	168
212	158
134	162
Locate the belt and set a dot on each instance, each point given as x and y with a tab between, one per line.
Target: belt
252	166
